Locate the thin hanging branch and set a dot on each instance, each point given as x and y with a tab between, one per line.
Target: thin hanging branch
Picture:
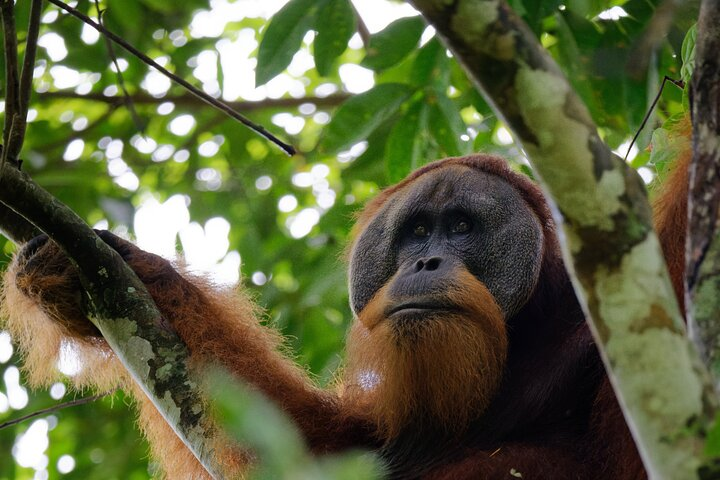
289	149
19	84
12	82
118	72
19	124
55	408
192	101
678	83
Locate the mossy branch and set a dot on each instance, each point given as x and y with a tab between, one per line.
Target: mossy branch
124	312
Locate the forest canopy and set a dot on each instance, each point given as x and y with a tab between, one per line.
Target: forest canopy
364	91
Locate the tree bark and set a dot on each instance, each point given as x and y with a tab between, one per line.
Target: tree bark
703	263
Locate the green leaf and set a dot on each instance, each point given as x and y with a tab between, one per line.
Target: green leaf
360	115
404	145
282	38
394	43
688	54
249	418
446	126
431	65
335	24
667	145
712	443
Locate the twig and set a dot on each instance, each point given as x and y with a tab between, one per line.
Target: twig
12	103
289	149
55	408
678	83
15	227
120	80
16	138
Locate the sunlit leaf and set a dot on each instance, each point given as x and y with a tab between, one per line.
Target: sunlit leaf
446	125
360	115
688	54
282	38
335	25
431	65
394	43
404	145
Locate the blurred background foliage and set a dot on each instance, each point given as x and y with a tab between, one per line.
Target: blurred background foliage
365	92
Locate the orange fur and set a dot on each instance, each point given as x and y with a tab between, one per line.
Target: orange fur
670	210
442	370
218	326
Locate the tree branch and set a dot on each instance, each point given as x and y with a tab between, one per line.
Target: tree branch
12	84
118	72
15	227
617	265
192	101
703	262
17	134
289	149
124	312
55	408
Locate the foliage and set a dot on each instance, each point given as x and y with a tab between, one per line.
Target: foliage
249	418
85	147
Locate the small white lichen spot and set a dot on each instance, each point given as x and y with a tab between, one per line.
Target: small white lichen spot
131	290
572	239
103	272
472	19
612	186
123	328
640	275
708	140
538	89
171	409
164	372
515	473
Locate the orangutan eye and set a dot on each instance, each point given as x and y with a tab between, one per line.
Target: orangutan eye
461	226
420	230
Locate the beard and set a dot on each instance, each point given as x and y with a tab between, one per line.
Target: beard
429	370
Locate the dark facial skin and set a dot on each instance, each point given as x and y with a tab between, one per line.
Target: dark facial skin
448	219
